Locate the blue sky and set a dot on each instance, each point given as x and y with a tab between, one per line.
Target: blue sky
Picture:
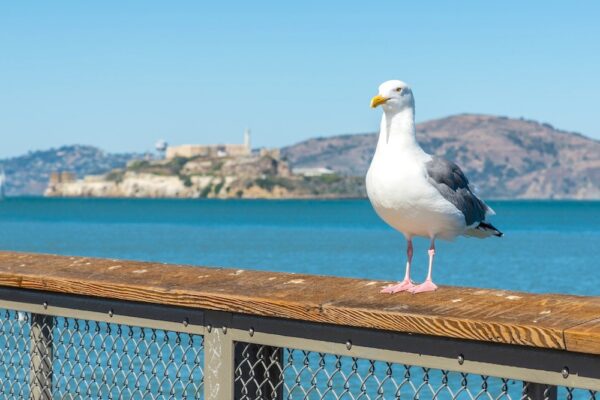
122	74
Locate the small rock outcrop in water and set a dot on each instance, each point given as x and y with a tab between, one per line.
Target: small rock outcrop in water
251	176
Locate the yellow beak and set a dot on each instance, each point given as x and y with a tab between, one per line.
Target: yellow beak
377	100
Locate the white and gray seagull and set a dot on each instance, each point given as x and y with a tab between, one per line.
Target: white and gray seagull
417	193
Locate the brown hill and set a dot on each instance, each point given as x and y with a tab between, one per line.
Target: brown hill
503	157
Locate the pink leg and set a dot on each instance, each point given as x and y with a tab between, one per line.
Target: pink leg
428	285
406	284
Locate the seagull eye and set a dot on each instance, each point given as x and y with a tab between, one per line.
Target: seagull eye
398	89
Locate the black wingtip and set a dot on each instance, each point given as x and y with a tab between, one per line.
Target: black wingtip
486	226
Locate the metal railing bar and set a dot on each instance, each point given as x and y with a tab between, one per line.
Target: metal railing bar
100	305
75	313
524	357
218	365
587	365
415	359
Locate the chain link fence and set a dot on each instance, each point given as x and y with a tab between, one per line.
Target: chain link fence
69	358
264	372
50	357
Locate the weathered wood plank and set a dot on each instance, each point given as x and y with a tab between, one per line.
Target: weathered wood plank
584	338
468	313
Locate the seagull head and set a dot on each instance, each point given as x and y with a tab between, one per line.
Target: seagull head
394	96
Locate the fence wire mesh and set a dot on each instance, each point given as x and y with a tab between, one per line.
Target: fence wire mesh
45	357
264	372
70	358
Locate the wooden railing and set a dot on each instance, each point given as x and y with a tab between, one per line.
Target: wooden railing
546	341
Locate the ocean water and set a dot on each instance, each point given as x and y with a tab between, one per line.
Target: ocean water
549	246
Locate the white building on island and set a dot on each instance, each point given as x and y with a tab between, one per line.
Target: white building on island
211	150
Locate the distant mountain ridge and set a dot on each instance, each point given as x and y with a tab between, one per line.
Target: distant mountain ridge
503	157
29	174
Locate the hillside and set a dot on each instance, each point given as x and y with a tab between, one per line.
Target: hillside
28	174
503	157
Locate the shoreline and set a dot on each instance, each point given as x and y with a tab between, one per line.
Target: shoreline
215	199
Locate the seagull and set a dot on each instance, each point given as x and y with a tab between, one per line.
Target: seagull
419	194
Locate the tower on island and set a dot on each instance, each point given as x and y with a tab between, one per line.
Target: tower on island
247	140
161	148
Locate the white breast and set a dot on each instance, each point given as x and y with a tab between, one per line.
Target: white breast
398	189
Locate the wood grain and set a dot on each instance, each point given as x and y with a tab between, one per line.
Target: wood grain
545	321
584	338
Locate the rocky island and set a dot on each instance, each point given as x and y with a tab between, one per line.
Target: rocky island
248	176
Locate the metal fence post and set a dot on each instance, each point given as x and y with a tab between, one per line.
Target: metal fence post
40	378
538	391
261	374
218	365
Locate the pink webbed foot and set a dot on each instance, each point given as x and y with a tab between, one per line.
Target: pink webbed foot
427	286
403	286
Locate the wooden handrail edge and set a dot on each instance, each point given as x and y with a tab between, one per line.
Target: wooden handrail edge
552	321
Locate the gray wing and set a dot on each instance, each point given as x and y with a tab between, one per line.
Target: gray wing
453	185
